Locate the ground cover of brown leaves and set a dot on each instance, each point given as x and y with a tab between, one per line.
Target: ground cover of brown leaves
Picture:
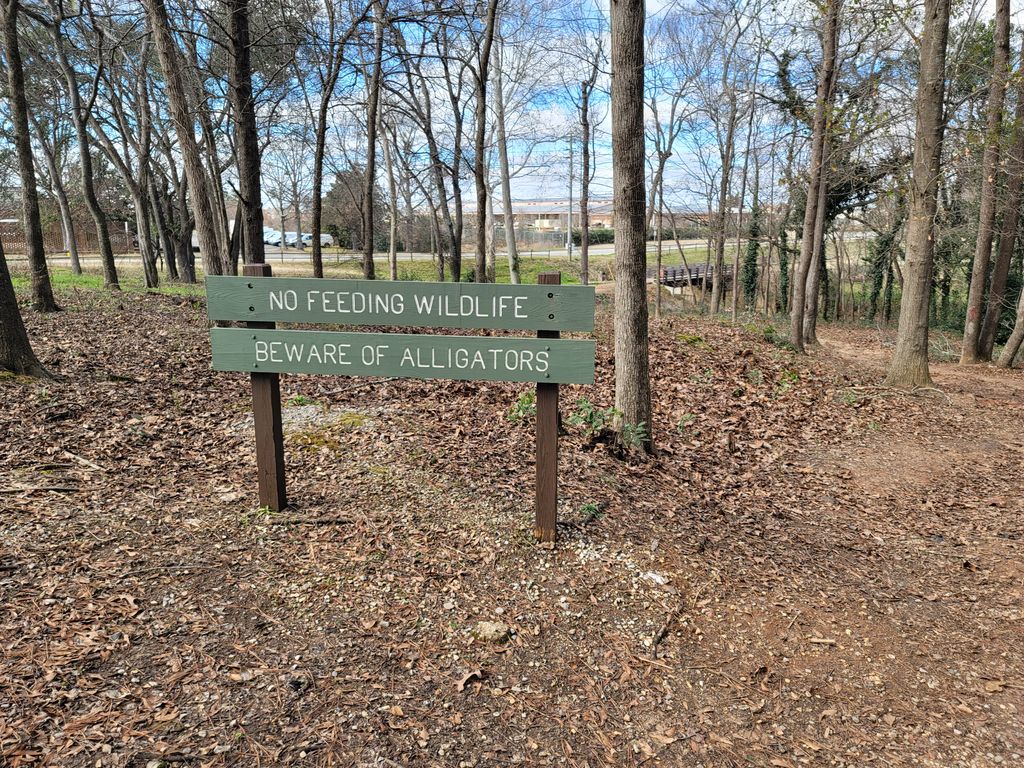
812	571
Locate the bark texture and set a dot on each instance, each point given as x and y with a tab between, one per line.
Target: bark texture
372	103
16	353
632	375
42	291
247	147
817	176
479	143
909	366
184	126
989	185
1008	227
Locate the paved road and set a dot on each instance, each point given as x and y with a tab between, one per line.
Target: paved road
292	255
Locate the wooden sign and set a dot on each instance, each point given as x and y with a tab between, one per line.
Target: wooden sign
409	304
265	352
416	356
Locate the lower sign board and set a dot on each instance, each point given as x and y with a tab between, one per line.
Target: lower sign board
418	356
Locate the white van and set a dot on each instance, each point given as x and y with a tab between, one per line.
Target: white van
325	239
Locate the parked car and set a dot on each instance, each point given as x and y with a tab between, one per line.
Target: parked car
271	236
291	239
325	239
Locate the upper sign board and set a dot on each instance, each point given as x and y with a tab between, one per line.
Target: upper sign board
396	303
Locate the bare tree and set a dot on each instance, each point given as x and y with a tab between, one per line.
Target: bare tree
632	375
247	149
81	109
1011	205
184	125
42	291
909	366
16	353
989	185
479	67
805	278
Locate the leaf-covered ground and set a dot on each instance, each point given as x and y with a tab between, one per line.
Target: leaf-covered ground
812	571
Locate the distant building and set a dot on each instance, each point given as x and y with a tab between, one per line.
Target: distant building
552	215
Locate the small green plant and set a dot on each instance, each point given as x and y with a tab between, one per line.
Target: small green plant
634	436
692	341
259	516
788	379
590	513
849	397
683	425
704	377
525	407
755	377
591	419
301	399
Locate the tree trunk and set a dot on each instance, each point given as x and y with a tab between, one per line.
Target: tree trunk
67	221
632	375
144	232
1007	231
42	291
16	353
506	180
657	247
718	276
389	168
1013	344
989	186
372	101
818	268
171	63
247	147
817	176
479	166
909	366
162	230
585	88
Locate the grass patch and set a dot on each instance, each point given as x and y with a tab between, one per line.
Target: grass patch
130	278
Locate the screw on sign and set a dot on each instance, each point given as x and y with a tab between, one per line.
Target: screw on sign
266	351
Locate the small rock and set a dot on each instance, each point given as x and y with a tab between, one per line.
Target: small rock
492	631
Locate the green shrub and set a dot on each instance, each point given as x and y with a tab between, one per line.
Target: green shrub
524	408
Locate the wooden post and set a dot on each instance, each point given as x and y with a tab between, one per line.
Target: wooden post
547	442
266	411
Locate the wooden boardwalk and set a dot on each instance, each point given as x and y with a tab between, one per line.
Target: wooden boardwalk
701	275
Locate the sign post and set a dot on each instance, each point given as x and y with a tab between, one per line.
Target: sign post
266	416
266	351
546	497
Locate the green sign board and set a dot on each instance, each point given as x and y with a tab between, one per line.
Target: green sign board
418	356
410	304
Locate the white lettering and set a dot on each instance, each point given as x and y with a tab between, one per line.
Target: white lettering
261	351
